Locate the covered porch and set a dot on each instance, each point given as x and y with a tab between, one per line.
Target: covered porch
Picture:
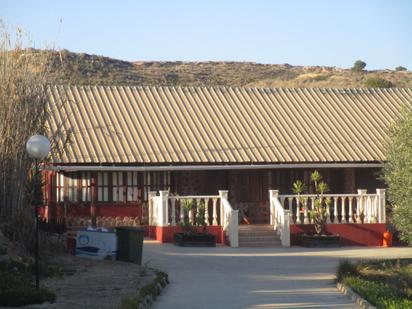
359	218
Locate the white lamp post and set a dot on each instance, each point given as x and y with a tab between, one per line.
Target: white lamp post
38	146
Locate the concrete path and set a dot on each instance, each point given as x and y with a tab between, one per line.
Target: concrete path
225	277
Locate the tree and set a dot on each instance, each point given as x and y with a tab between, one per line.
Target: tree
358	66
377	82
400	68
398	174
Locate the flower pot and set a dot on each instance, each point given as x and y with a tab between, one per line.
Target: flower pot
194	240
320	241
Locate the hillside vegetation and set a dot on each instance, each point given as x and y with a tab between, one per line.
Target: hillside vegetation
84	69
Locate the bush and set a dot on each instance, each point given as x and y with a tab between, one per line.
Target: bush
22	296
16	286
384	283
151	290
358	66
345	269
400	68
377	82
398	174
378	293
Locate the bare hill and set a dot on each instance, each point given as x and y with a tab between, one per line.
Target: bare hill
84	69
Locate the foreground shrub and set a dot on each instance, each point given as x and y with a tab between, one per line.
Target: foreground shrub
17	288
346	269
22	296
384	283
378	293
398	174
152	290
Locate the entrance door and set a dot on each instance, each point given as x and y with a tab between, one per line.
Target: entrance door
248	190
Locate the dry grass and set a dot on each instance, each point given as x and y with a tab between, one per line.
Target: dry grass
87	69
23	112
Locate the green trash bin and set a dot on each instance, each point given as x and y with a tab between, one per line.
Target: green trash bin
130	244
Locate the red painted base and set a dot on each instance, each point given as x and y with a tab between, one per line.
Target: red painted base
165	233
351	234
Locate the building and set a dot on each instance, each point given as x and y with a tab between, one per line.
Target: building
128	141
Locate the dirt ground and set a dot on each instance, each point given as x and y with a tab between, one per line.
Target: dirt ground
95	284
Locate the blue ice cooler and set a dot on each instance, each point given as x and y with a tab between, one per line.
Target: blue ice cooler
96	245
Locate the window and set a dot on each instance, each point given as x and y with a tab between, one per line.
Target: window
102	187
132	187
155	181
117	186
86	187
72	188
60	187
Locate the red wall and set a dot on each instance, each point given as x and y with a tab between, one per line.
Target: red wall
370	234
165	233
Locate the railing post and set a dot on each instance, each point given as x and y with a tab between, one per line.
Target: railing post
182	211
163	211
215	211
207	211
381	205
150	196
173	204
272	195
234	229
286	229
361	205
223	194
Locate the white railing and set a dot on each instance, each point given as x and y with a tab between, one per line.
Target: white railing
344	208
168	210
279	218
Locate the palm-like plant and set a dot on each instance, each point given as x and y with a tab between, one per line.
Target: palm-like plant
318	214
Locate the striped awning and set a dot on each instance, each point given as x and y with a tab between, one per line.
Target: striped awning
220	125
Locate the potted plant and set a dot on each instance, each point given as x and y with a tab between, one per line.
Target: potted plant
318	214
191	237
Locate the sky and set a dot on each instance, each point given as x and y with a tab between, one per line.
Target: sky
298	32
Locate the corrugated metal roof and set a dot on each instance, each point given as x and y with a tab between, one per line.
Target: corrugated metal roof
189	125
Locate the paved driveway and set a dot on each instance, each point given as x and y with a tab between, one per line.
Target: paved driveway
224	277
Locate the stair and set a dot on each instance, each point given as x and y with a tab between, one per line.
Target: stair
258	235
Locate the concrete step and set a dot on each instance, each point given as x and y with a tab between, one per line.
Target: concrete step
258	235
255	227
271	243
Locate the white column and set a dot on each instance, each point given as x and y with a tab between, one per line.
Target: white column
234	229
272	195
335	210
223	194
286	229
215	212
173	202
298	220
207	211
350	209
381	205
305	207
343	210
312	207
361	205
328	214
163	211
150	196
182	211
